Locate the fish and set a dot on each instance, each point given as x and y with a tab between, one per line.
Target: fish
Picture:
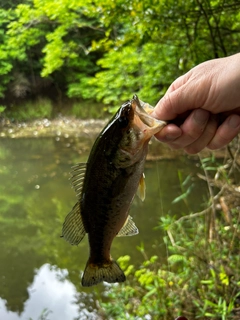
105	187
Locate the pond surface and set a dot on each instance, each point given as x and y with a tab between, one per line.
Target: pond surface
39	272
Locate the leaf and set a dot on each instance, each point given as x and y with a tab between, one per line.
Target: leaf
150	293
176	258
188	178
184	195
2	108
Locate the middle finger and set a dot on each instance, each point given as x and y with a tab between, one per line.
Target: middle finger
207	135
192	128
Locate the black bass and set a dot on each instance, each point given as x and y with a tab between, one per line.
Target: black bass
106	186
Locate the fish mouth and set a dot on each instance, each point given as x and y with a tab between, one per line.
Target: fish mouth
145	117
148	125
141	128
138	126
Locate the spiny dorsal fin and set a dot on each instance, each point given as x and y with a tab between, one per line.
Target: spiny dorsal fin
141	188
129	228
73	229
77	177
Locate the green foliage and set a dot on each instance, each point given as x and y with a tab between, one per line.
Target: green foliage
43	39
2	108
185	190
167	39
118	81
107	50
5	60
196	282
200	278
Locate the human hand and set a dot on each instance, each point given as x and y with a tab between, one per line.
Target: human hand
203	106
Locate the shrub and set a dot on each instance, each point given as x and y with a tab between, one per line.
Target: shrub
201	277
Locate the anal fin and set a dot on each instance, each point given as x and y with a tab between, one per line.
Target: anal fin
129	228
73	229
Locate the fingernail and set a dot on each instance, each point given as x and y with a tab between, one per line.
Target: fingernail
201	116
234	121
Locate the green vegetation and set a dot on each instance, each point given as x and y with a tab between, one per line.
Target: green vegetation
40	108
108	50
85	110
43	107
201	277
2	108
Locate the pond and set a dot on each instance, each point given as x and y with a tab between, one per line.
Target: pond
40	272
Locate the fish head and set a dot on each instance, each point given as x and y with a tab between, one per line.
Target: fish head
125	116
137	128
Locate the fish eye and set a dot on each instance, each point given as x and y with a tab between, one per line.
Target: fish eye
123	121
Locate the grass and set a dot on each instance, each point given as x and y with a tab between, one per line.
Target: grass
87	110
43	108
30	110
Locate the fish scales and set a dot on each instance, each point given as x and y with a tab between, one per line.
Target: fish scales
113	174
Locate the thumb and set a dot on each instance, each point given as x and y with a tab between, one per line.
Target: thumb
178	99
166	108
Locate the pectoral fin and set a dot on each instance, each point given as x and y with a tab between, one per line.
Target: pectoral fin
73	229
129	228
142	188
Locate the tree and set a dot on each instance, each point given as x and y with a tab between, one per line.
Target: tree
51	40
156	41
108	50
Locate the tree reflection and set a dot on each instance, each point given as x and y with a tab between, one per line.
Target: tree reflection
31	218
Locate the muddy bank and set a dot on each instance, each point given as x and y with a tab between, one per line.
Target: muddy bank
66	126
70	127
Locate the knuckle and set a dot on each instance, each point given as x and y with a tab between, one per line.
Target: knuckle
193	134
192	149
174	146
212	146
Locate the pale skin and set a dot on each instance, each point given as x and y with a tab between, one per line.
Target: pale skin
202	106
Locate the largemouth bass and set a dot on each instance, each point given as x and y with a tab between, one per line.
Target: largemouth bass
106	186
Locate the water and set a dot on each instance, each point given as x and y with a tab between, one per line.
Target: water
40	272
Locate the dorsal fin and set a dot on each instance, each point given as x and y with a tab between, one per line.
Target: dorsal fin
73	229
129	228
77	178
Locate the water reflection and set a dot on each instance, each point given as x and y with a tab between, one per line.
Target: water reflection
35	196
52	295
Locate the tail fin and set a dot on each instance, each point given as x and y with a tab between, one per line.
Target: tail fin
93	274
